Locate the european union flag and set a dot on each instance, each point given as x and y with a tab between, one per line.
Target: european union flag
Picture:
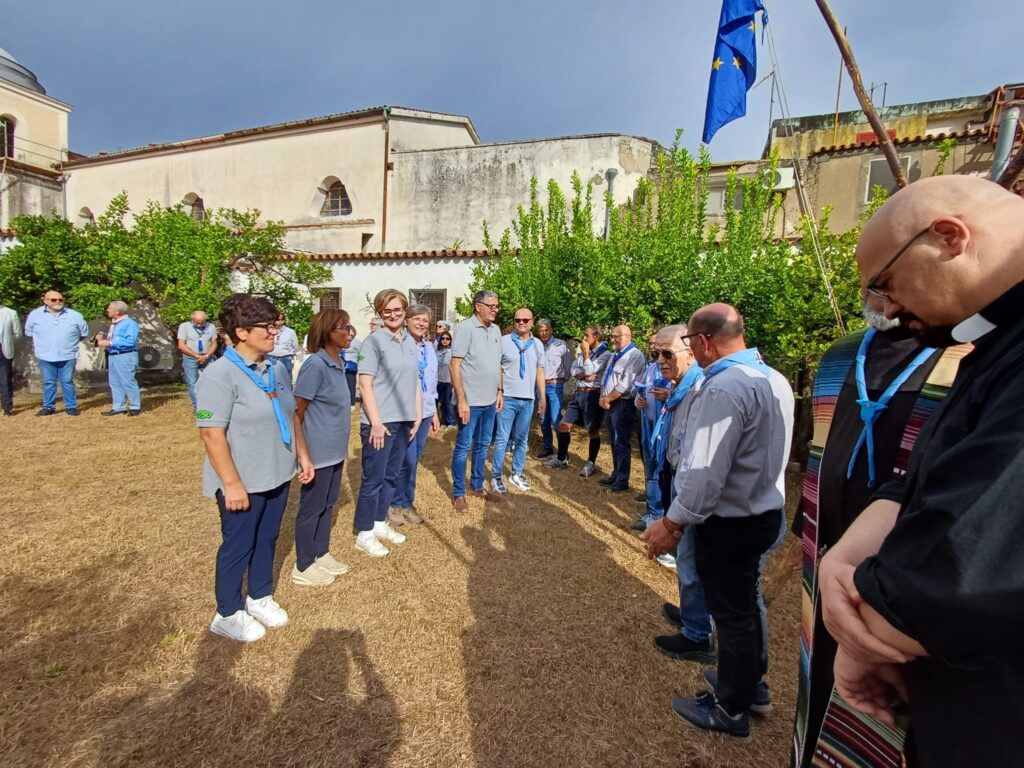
734	68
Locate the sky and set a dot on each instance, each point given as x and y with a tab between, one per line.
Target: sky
150	71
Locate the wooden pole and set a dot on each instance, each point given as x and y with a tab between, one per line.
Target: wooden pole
888	149
839	92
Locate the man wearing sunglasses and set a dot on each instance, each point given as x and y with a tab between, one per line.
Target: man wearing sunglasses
625	366
730	486
56	332
924	593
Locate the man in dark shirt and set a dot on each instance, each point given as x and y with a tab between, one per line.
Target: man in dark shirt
925	592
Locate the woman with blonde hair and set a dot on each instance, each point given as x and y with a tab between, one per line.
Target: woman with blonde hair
389	387
323	414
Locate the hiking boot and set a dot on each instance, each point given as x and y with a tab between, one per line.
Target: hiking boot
706	714
682	648
762	696
412	517
396	516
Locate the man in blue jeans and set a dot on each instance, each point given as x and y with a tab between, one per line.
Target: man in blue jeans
522	371
197	342
56	333
557	366
477	383
121	344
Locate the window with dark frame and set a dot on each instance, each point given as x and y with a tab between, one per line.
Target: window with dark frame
435	299
336	201
879	174
7	137
330	298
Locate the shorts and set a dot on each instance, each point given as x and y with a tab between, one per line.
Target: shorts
584	410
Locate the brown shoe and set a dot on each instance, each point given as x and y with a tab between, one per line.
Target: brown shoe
396	516
460	504
485	495
412	516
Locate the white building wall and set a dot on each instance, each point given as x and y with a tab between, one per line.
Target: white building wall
441	196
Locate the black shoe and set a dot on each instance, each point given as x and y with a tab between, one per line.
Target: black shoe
638	525
640	498
46	412
682	648
762	696
545	454
112	413
706	714
671	614
8	413
134	413
619	488
71	411
605	481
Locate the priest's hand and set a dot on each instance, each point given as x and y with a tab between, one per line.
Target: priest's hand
873	689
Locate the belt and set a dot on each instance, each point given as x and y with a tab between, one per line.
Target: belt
554	381
121	351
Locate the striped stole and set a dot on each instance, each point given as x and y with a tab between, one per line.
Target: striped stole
849	739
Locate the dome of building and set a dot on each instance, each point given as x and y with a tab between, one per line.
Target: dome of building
13	72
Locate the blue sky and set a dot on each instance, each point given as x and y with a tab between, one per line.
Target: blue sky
141	71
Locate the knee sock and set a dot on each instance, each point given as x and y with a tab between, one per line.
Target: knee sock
594	448
563	445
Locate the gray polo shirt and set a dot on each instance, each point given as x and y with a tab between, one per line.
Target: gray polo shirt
479	346
327	422
393	362
557	359
192	335
227	398
525	387
738	432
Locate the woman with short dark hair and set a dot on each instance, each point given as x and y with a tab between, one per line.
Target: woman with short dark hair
245	414
445	403
323	413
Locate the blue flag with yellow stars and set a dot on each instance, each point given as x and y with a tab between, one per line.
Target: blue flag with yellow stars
734	66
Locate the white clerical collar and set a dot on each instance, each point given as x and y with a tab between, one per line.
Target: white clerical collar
972	329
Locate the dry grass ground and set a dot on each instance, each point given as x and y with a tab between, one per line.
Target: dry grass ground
517	635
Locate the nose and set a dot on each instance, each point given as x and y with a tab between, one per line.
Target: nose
892	309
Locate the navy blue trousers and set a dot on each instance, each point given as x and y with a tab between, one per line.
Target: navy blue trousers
381	470
316	511
621	417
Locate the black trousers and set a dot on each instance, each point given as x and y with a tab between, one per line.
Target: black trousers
621	418
728	551
350	378
6	383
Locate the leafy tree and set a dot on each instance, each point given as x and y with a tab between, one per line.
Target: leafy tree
167	258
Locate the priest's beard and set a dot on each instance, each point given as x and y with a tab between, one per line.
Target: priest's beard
876	319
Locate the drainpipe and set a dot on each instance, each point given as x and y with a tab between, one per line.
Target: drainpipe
610	175
1004	141
387	162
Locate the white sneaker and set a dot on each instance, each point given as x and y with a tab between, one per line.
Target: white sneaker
390	534
370	544
498	486
313	576
588	469
238	626
519	482
329	564
266	611
666	560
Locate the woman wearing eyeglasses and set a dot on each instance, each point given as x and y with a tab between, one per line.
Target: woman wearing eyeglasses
323	412
389	386
445	405
245	414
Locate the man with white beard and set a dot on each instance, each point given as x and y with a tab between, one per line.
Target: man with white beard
873	391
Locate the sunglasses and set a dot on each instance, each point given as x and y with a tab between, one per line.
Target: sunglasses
55	301
524	319
664	354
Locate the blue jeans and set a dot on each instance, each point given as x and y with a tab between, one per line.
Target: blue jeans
514	422
191	369
655	506
64	370
692	608
555	393
405	488
248	540
446	405
380	473
476	435
286	361
121	377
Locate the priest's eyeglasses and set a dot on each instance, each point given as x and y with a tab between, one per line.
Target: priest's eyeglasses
872	286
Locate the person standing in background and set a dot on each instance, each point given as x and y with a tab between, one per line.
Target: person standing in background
121	345
197	342
56	332
286	345
10	331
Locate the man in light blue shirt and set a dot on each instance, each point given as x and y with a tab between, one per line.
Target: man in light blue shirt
197	342
56	333
522	373
121	344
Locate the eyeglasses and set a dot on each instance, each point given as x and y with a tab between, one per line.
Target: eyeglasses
687	337
524	319
393	312
492	307
872	286
270	328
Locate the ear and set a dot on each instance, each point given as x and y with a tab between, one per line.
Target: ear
241	334
954	233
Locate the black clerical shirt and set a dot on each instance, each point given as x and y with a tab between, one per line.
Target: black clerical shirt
951	572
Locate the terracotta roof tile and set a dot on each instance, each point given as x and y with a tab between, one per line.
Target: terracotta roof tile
393	255
904	141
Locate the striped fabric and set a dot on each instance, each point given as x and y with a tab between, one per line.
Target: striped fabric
849	739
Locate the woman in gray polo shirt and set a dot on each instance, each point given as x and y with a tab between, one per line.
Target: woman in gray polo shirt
245	414
389	386
323	413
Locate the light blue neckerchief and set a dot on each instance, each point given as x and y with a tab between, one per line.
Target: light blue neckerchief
199	332
659	437
750	357
522	347
270	387
421	361
615	358
870	409
597	351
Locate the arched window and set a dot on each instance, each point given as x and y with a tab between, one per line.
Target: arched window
195	203
6	136
336	202
85	217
